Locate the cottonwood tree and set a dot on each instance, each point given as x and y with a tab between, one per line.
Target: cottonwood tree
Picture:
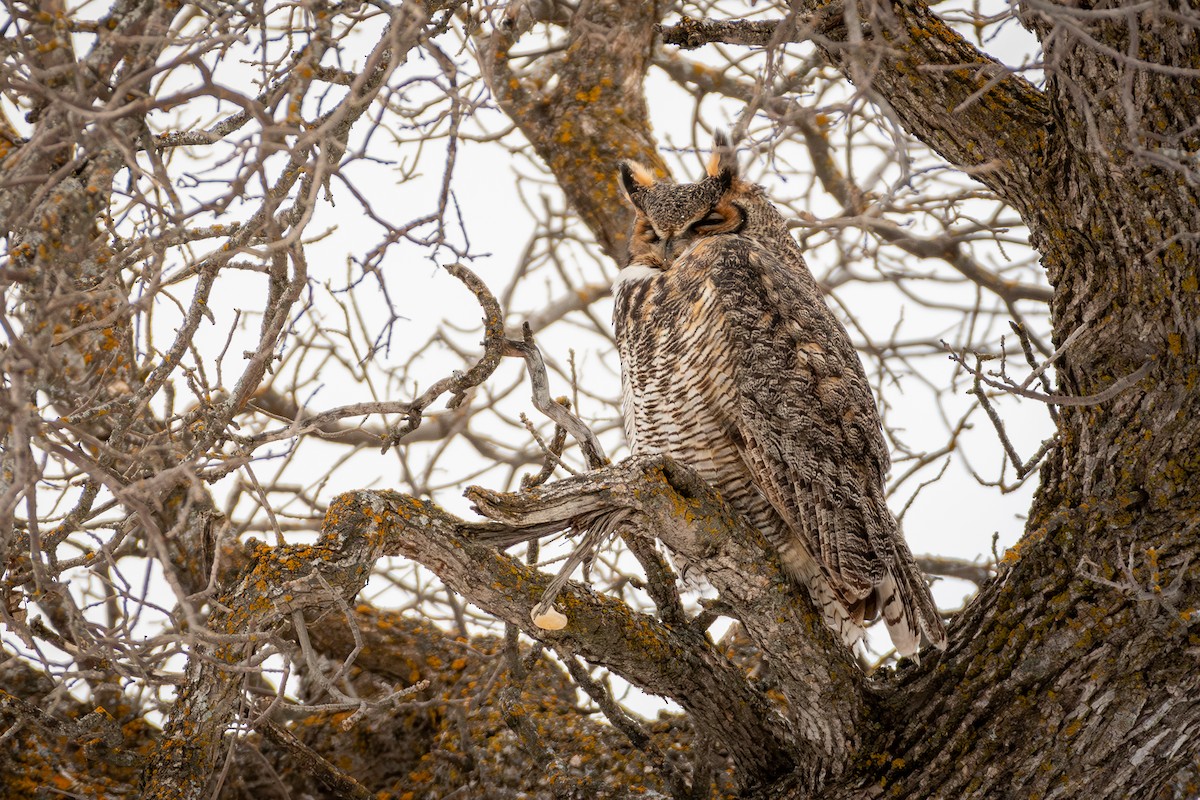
217	217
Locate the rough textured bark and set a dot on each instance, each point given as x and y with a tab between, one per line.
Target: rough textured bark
457	735
675	662
277	584
1034	695
584	110
822	683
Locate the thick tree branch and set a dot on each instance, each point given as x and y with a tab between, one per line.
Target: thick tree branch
818	675
1033	631
457	716
1054	685
279	582
583	109
677	663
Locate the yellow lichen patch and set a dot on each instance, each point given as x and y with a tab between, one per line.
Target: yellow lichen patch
565	133
590	96
1175	344
1013	554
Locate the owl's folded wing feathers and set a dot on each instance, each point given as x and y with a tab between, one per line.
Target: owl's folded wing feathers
810	435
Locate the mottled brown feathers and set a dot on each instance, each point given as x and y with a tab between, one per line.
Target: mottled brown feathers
733	364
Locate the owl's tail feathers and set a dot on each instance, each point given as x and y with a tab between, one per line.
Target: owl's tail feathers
908	608
846	619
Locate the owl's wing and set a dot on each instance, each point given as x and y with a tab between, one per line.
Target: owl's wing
807	423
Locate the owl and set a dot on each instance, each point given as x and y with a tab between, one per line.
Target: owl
732	364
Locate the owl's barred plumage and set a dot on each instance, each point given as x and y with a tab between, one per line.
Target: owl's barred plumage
732	364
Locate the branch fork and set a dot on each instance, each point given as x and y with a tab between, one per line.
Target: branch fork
654	497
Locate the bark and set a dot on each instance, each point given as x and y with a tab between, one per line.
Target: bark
675	662
584	110
459	733
821	681
1052	676
453	735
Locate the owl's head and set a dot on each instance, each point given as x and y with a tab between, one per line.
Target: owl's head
671	217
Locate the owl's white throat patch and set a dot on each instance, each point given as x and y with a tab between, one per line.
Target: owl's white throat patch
634	273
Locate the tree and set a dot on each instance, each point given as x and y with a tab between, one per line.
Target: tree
170	170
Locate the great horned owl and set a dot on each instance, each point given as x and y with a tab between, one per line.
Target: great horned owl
732	364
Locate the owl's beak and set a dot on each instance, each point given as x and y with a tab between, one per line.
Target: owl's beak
673	247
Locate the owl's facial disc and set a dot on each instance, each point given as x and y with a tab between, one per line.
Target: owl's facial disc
663	242
672	217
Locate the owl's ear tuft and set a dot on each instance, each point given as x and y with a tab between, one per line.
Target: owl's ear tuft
634	178
723	161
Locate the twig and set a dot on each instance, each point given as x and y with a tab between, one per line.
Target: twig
1118	386
1153	592
542	401
661	583
335	780
553	451
1039	370
1023	468
494	345
913	498
962	569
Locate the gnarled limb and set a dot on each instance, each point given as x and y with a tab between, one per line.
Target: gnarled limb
1034	632
817	674
278	583
680	663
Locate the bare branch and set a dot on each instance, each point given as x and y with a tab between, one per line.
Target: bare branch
332	778
821	672
945	91
540	385
603	631
494	345
956	568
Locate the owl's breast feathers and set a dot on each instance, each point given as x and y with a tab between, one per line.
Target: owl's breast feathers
733	364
